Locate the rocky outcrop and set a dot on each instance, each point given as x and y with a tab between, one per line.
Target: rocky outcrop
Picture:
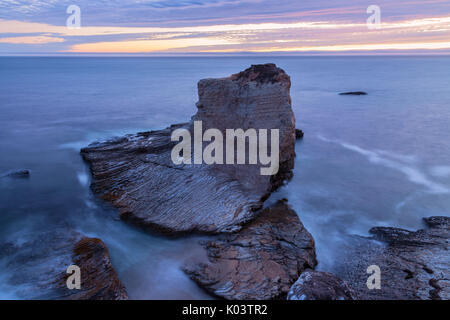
137	175
99	280
414	264
317	285
261	261
37	268
299	134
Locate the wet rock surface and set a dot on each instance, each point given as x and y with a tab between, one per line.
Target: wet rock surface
99	279
317	285
37	268
136	174
261	261
414	264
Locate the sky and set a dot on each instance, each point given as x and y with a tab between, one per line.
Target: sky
30	27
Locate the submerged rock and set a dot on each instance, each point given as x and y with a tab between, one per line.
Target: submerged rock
299	134
353	93
261	261
20	173
317	285
137	175
37	268
414	264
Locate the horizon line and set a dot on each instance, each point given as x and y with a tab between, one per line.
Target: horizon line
226	54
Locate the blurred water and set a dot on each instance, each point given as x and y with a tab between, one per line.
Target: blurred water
380	159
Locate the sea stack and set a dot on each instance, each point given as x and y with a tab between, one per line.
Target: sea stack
137	175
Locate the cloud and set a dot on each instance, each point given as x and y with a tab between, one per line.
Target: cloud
442	23
144	46
362	47
223	25
25	6
193	12
31	40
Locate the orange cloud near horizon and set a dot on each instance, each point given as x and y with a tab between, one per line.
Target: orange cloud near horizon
31	40
144	46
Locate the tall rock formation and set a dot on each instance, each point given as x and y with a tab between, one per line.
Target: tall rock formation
137	175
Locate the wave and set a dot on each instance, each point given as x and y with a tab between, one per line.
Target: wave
440	171
401	163
83	178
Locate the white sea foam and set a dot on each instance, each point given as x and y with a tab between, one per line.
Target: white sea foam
83	178
392	161
405	201
90	204
76	145
7	291
401	157
440	171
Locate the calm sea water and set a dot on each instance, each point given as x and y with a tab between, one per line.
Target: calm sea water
380	159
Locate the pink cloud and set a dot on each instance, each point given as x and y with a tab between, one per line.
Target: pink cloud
31	40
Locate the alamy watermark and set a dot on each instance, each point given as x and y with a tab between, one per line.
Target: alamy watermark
214	152
74	280
374	20
74	20
374	280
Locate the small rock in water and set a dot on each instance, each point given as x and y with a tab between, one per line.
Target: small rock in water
21	173
299	134
353	93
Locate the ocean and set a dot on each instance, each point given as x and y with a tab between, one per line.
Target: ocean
381	159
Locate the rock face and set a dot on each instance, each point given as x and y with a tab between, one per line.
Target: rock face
37	268
414	265
317	285
137	175
261	261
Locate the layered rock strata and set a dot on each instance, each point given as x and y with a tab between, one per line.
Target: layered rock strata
261	261
318	285
137	175
414	264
